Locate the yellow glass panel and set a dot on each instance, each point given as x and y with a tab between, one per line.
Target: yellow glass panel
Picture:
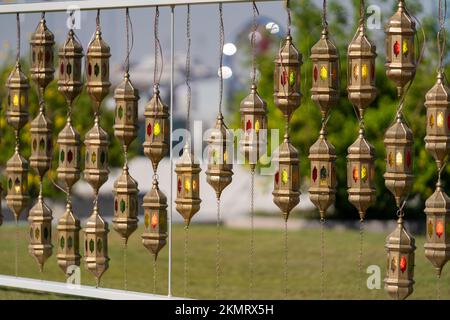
257	126
399	158
364	71
440	120
16	100
364	174
154	220
194	184
157	129
391	159
147	220
431	120
405	47
225	157
284	176
355	71
187	185
323	73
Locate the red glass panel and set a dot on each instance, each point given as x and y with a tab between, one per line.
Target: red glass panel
314	174
248	125
283	78
179	185
403	264
396	48
408	158
439	228
355	174
61	68
149	129
316	73
116	205
277	177
70	156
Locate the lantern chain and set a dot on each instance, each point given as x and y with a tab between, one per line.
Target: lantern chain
186	260
253	41
221	44
16	257
252	229
128	28
155	269
18	38
441	35
289	19
188	67
362	13
125	266
286	251
324	15
360	255
322	257
218	252
157	72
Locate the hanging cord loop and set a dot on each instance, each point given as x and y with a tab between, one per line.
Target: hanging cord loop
324	15
253	41
441	35
221	44
289	19
157	72
18	39
188	67
129	30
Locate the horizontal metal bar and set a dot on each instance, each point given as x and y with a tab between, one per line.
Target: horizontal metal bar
55	6
78	290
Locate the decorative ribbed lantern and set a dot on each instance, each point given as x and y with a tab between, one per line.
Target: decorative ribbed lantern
125	205
437	102
253	119
96	160
361	174
286	194
17	178
361	71
322	189
17	103
155	220
68	240
400	246
188	186
41	143
40	220
287	94
325	84
399	164
219	173
157	129
400	52
68	170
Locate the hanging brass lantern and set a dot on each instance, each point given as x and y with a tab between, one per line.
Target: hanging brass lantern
69	156
17	106
96	160
325	85
68	240
322	190
157	129
17	176
96	245
125	122
253	119
125	205
70	82
399	163
361	71
42	41
400	52
155	220
286	193
361	174
40	220
220	169
437	102
437	245
287	76
188	186
41	144
400	247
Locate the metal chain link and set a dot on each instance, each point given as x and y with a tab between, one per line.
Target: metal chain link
221	44
285	259
360	256
154	274
125	267
322	258
252	230
186	260
218	251
253	41
188	67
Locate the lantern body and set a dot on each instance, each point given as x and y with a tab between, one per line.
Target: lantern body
437	102
287	76
41	144
69	156
96	159
125	122
157	129
40	244
400	52
400	246
155	220
97	70
220	169
286	193
70	82
399	143
42	41
361	71
125	205
253	109
325	84
437	245
17	176
17	104
188	186
322	190
68	240
361	174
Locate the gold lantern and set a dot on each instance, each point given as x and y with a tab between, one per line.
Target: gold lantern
361	174
399	164
287	94
68	240
157	129
17	106
437	245
400	247
188	186
253	119
286	193
125	205
437	102
325	85
17	178
219	173
40	220
125	122
41	144
400	52
96	160
323	173
155	220
69	156
361	71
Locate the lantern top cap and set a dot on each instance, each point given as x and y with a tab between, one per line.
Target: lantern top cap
322	147
17	79
324	47
126	89
97	133
71	46
440	92
253	103
155	104
42	35
401	239
361	45
289	53
286	151
155	195
99	46
438	200
96	221
41	121
401	22
17	160
69	132
188	157
399	130
40	209
68	219
126	181
361	145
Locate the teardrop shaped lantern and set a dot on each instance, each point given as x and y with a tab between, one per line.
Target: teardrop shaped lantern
68	240
400	51
399	164
155	220
188	186
360	174
157	129
220	168
400	246
325	84
253	110
17	197
322	189
17	103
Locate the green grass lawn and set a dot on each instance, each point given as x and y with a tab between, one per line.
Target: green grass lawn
341	266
